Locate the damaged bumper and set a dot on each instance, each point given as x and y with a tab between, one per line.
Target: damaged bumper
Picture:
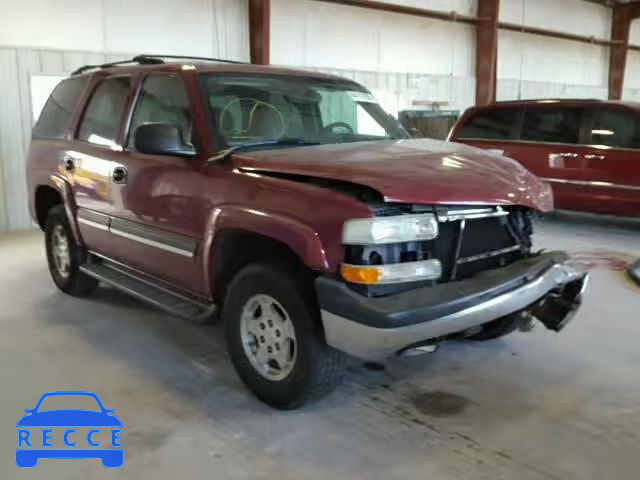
546	286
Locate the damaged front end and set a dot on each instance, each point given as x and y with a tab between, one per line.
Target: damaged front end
472	267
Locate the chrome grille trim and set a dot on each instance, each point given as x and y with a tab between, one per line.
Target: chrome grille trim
492	253
471	214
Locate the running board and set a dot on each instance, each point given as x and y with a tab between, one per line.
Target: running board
139	286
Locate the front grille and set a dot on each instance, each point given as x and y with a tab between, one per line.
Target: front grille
485	243
470	240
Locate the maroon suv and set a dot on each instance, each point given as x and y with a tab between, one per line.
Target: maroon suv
291	202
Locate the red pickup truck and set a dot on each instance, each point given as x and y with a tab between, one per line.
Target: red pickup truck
292	204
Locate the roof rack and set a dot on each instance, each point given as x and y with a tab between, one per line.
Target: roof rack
551	99
150	60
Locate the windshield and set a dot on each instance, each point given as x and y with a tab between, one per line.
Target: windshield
249	109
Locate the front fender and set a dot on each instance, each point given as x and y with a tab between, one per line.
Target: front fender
61	184
301	238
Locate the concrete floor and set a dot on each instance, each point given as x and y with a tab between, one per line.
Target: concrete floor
531	406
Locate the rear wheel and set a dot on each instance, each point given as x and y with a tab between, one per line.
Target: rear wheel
274	337
65	256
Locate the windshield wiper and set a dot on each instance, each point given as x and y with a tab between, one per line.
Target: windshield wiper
223	154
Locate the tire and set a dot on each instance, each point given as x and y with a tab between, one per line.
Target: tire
496	329
309	370
66	272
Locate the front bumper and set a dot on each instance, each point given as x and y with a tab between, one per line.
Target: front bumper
375	328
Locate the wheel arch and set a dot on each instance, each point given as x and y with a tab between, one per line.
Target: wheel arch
237	237
56	192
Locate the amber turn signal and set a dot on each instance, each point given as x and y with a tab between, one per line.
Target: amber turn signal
360	274
392	273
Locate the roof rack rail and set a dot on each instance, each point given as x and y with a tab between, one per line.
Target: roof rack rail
189	57
149	60
140	60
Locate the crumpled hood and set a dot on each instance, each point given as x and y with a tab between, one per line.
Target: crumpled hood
411	171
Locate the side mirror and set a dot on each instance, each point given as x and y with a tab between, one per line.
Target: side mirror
161	139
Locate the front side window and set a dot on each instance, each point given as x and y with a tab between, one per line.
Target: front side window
615	128
494	124
56	114
552	125
102	117
248	109
163	99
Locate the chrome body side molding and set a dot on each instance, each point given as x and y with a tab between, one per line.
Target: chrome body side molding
592	183
170	242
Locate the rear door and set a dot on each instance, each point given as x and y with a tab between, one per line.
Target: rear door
611	170
90	160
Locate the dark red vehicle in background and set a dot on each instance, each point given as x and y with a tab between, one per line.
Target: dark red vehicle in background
588	150
292	202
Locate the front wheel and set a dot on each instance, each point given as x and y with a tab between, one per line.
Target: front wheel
275	339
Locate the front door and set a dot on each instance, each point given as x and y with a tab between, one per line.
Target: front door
159	211
611	171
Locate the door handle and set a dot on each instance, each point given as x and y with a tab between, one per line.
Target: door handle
119	175
557	160
592	156
69	163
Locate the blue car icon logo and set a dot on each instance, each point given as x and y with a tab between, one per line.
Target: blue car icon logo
40	428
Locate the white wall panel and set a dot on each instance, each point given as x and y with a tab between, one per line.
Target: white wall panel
463	7
315	34
571	16
538	58
632	73
195	27
634	33
64	24
516	89
13	195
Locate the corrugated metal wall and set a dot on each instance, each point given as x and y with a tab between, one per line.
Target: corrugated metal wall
17	65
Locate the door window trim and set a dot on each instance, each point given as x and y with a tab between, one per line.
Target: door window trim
136	100
92	90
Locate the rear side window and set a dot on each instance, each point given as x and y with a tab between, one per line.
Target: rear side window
56	114
494	124
615	128
552	125
102	117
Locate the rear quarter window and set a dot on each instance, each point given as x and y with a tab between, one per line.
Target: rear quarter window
56	114
493	124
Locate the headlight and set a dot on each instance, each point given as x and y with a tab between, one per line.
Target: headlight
401	228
